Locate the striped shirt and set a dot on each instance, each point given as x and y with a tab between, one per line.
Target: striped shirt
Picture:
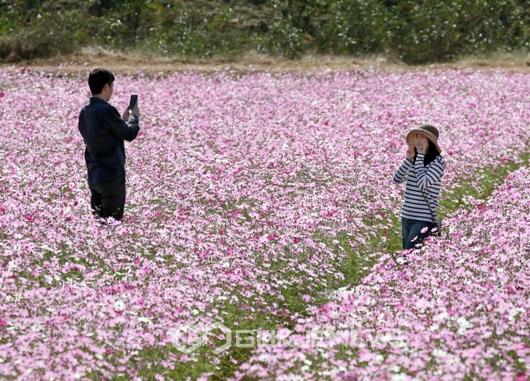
420	179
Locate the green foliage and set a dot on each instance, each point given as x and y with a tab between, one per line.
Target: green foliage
34	29
359	262
355	27
434	30
415	31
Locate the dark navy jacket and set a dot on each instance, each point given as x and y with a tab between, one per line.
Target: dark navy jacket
104	131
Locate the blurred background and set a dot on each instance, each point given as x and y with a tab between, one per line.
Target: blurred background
413	32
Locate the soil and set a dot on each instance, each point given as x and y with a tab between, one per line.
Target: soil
83	62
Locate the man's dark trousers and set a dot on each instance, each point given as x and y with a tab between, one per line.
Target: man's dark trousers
108	199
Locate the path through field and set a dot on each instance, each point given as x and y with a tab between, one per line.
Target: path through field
251	199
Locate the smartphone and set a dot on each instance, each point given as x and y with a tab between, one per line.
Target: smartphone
133	101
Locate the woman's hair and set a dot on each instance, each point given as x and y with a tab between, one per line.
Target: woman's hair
431	154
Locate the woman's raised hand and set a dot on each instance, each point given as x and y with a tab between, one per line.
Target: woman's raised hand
410	151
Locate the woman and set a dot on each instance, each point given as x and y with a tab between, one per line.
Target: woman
422	169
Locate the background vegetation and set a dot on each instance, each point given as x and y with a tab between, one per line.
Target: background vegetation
416	32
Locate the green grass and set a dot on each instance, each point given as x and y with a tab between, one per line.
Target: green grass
356	265
453	199
234	317
490	179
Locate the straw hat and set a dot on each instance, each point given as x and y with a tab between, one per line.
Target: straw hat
430	132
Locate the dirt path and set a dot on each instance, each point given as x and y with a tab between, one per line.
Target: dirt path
83	62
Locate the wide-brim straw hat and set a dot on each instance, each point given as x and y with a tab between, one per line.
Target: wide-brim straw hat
430	132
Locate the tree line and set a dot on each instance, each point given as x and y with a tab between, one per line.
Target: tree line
415	32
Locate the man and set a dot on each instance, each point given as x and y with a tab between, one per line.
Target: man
103	132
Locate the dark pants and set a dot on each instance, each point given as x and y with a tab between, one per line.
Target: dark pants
413	232
108	199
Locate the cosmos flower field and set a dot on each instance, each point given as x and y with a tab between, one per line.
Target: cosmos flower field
248	195
458	308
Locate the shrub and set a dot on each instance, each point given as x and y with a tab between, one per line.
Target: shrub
416	31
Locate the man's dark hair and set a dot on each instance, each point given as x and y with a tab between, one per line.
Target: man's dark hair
98	78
